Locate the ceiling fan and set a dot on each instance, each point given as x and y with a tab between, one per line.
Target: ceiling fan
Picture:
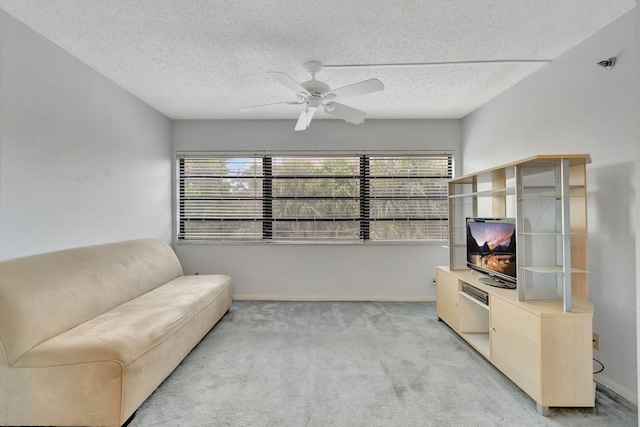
316	94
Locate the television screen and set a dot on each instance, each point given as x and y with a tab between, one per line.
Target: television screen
491	248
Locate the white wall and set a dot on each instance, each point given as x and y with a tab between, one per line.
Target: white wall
574	106
320	271
638	198
82	161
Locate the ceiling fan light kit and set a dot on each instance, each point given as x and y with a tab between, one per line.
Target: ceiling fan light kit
316	95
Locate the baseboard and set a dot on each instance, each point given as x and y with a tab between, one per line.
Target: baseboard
381	298
630	395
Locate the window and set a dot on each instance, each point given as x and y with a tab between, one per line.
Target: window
278	197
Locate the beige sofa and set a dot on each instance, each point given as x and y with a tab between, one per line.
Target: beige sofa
87	334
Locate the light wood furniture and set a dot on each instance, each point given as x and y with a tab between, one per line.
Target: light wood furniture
540	347
547	196
539	335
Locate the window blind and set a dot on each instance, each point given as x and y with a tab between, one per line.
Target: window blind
319	197
220	198
408	197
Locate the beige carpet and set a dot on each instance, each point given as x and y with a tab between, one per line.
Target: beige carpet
348	364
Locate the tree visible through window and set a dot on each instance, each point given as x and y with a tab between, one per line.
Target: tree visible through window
332	197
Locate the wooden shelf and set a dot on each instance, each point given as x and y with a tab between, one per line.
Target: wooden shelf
550	269
479	341
547	233
539	160
494	192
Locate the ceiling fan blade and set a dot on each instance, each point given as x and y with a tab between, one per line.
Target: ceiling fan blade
367	86
253	107
305	119
348	114
302	122
286	80
310	113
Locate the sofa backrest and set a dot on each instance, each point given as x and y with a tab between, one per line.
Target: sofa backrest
44	295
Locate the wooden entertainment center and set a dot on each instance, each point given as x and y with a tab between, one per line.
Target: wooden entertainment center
539	334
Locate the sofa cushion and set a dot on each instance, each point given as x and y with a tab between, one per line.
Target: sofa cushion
124	333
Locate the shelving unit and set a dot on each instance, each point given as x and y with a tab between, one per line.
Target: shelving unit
539	334
546	194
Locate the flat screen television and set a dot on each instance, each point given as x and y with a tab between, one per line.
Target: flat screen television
491	249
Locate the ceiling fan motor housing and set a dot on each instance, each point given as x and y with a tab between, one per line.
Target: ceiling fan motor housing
315	87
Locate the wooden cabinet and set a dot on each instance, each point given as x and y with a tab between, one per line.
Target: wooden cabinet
447	295
540	347
515	345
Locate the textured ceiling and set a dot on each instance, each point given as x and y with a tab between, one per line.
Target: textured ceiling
196	59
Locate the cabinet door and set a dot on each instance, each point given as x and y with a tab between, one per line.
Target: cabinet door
447	298
515	345
567	366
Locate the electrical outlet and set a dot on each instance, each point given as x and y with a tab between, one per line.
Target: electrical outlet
596	341
433	281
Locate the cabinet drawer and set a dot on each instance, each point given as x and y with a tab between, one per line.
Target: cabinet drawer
515	345
447	298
